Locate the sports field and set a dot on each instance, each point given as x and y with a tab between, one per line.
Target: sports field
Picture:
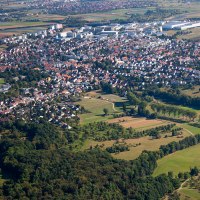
180	161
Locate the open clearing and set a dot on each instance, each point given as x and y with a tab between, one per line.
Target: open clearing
193	34
190	34
191	11
189	128
94	103
47	17
2	81
17	28
13	25
95	110
195	92
140	123
147	143
190	194
113	14
180	161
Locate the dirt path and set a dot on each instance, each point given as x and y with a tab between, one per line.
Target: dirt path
188	131
181	187
114	107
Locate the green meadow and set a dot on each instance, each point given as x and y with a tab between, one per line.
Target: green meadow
180	161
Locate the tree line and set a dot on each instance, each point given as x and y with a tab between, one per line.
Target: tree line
169	110
174	98
102	131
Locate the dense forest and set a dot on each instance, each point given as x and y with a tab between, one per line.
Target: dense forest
175	98
36	163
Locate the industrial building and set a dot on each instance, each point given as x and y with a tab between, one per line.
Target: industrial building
178	25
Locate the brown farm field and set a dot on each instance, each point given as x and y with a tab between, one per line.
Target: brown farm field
140	123
147	143
16	28
193	35
13	25
194	92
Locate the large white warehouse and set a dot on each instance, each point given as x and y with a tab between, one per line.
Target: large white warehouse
178	25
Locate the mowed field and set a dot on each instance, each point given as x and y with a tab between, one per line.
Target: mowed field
12	25
193	35
192	129
2	81
2	47
113	14
195	92
95	110
180	161
189	194
46	17
147	143
138	123
18	28
95	102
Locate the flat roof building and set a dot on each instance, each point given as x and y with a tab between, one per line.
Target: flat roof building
178	25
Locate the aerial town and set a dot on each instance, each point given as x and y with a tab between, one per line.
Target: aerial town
99	100
69	62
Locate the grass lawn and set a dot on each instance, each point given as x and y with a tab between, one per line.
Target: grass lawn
194	35
191	193
2	81
95	106
2	181
3	47
146	144
47	17
194	130
180	161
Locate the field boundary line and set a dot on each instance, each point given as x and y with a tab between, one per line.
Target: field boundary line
188	131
